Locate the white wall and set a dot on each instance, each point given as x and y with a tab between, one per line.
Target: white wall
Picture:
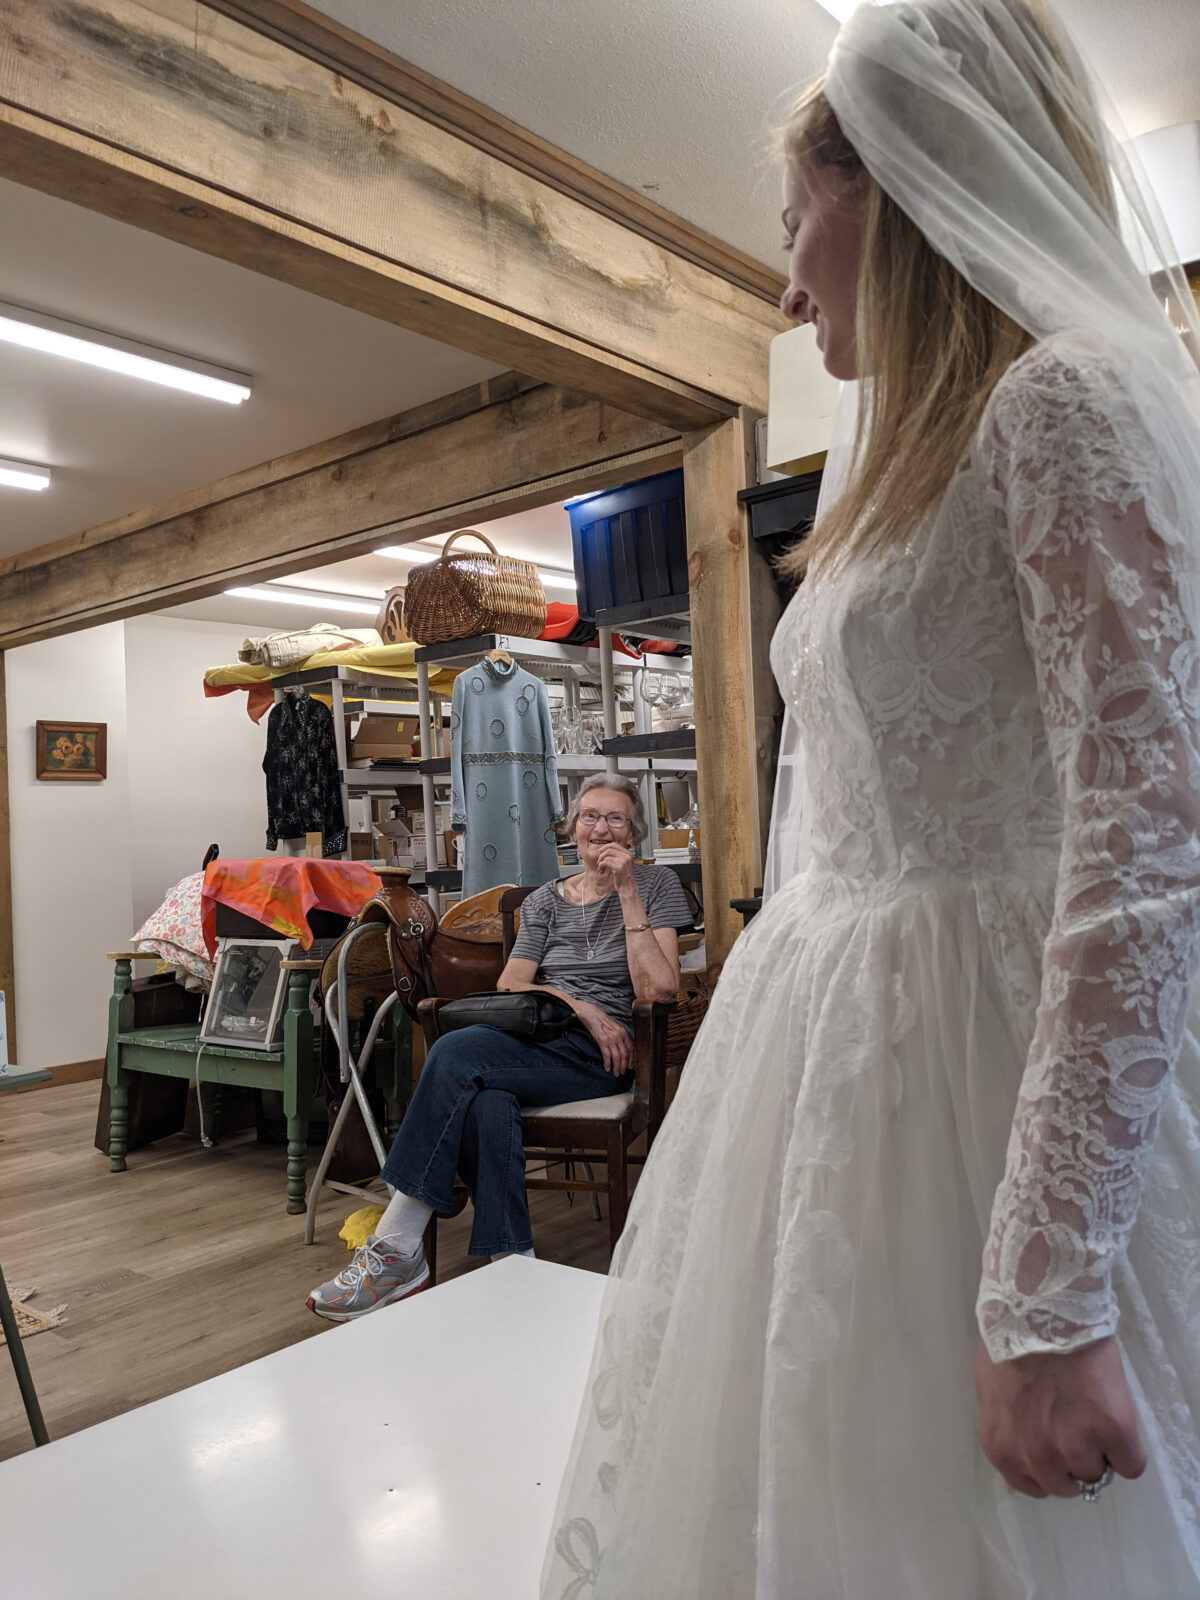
71	884
90	861
195	765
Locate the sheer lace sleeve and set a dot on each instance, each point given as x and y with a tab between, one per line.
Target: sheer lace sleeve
1109	612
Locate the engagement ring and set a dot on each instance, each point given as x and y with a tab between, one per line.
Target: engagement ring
1090	1492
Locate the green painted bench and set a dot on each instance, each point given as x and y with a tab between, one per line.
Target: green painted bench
170	1052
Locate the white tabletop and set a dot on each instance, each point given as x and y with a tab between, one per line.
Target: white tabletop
415	1453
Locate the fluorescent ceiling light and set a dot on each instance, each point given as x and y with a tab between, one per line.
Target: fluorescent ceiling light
23	475
404	552
323	602
33	330
559	580
298	586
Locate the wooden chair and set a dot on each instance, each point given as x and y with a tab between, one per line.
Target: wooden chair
584	1130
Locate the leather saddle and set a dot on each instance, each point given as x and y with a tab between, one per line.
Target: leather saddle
458	954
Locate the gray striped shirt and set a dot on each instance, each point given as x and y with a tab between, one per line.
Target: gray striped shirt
558	935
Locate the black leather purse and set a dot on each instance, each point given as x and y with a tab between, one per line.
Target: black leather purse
524	1013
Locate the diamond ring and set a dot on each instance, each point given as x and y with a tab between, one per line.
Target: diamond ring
1089	1493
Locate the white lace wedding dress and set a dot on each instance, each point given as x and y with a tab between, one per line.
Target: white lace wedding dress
995	934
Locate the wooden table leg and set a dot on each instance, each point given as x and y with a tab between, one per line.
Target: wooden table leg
118	1121
120	1018
8	1320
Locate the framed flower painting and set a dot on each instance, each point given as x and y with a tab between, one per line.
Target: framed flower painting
71	752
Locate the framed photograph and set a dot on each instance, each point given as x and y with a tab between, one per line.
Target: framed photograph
245	1007
71	752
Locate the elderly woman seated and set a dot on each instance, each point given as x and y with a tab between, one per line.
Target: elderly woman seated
599	940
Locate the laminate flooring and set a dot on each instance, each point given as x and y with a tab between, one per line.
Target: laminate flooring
181	1268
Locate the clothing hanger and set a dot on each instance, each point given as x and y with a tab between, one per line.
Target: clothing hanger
500	655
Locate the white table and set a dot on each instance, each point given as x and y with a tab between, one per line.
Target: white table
415	1453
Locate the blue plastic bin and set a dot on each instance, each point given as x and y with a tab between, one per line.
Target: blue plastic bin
630	544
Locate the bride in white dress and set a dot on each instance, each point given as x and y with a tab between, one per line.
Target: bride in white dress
949	1084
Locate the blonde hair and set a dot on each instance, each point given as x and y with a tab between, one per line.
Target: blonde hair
932	346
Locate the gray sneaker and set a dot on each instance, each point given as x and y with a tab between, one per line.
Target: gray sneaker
376	1276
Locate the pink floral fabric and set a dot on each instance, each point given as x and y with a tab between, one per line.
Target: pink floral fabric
175	931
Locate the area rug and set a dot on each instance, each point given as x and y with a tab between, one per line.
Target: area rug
32	1319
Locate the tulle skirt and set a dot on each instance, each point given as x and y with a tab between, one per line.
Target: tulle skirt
781	1401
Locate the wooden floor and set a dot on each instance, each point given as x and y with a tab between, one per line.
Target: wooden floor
183	1267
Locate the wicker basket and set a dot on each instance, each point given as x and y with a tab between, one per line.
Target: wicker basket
684	1022
457	597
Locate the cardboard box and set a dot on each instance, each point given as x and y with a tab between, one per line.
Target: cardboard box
676	838
410	795
395	842
380	738
418	851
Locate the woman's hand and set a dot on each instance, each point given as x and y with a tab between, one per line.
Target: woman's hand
1050	1422
614	865
616	1047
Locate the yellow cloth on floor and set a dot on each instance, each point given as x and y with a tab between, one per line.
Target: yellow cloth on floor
390	660
358	1225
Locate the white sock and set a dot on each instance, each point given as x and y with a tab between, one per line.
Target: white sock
403	1223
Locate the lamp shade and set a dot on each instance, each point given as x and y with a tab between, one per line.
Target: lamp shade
1170	158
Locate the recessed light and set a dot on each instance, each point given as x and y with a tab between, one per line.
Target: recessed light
23	475
53	336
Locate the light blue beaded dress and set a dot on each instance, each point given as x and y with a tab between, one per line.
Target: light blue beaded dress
504	779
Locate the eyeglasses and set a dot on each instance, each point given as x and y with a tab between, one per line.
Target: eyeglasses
615	819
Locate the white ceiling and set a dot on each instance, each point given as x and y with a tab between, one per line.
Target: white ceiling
543	536
677	98
115	444
674	97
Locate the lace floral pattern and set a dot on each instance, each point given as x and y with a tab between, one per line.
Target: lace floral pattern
1107	611
947	1041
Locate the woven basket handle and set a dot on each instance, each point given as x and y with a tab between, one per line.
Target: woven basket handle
465	533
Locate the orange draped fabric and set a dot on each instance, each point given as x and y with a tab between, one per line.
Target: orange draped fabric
281	890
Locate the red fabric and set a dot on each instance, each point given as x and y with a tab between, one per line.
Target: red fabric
280	891
562	620
260	697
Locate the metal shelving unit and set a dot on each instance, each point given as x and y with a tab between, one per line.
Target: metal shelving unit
573	664
651	757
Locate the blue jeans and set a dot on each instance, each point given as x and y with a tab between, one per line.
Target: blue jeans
465	1116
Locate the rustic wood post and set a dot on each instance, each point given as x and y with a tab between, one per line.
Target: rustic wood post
734	611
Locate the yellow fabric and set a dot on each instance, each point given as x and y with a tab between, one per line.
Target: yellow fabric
391	660
358	1225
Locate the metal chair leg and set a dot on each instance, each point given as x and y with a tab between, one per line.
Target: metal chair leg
327	1155
350	1072
12	1335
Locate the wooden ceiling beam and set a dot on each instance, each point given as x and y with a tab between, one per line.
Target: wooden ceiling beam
489	451
372	65
177	118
